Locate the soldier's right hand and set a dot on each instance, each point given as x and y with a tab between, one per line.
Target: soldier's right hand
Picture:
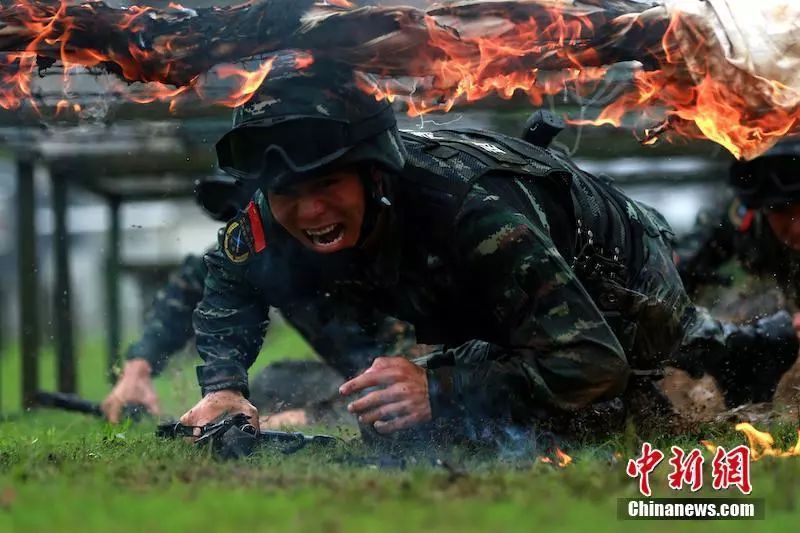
216	405
134	386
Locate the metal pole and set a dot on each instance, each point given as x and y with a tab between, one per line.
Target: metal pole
112	286
28	284
65	348
3	351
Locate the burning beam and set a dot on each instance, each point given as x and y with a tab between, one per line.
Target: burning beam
175	45
696	73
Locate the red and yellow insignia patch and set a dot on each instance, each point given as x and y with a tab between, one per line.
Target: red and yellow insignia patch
244	235
740	216
237	241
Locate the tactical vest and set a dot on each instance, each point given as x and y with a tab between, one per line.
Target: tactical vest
443	165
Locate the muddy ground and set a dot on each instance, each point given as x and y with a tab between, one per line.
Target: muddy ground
700	400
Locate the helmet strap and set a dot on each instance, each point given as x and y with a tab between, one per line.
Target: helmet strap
376	204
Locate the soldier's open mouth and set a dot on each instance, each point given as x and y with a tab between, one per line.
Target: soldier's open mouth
325	236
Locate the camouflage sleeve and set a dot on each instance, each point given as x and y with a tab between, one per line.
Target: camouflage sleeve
546	345
230	324
168	322
705	248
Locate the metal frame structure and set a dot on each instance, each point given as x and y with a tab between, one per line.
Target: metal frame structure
141	162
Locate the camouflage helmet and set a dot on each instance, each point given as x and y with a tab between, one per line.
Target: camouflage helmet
302	122
771	180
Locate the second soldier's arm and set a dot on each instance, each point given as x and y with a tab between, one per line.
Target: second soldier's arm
168	327
168	323
550	346
229	323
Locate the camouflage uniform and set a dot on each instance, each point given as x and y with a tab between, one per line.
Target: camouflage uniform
281	385
168	322
546	287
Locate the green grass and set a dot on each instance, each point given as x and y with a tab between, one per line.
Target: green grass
177	387
65	472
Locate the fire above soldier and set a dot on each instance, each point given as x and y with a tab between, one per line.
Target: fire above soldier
547	289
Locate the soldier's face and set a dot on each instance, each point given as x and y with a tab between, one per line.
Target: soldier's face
324	214
786	225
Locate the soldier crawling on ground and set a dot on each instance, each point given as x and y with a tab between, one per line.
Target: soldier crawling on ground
759	226
289	393
546	288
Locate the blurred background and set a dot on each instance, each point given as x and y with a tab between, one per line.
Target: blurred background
96	207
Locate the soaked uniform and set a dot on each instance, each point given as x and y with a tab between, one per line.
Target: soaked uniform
168	321
547	289
281	385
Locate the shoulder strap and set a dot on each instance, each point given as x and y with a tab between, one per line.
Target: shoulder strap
443	165
464	156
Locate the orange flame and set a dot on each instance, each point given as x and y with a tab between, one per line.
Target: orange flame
761	443
54	29
251	81
707	109
61	106
563	460
340	3
468	68
473	67
303	60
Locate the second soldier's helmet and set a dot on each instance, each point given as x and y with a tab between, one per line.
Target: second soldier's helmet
771	180
222	196
303	121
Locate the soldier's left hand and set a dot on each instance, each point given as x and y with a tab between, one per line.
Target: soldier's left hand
402	400
135	386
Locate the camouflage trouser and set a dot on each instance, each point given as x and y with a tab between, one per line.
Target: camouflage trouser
746	361
649	314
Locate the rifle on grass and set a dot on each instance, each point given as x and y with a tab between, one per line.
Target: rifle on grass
234	437
231	437
75	404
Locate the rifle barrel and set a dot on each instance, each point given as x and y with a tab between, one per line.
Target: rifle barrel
67	402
